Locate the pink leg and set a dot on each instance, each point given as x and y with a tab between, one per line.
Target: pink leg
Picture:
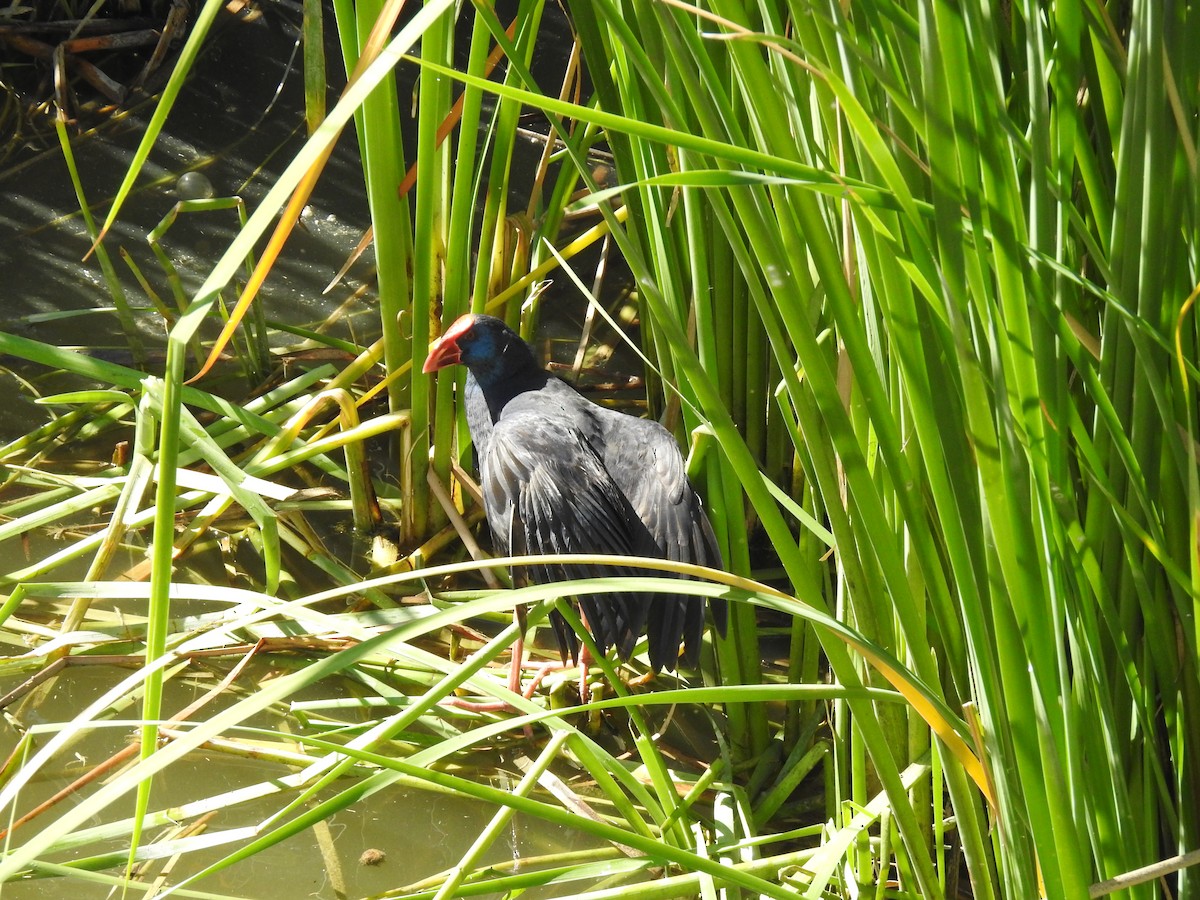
518	651
585	663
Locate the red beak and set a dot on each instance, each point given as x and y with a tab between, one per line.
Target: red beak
443	353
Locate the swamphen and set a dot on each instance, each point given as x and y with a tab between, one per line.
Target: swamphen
560	474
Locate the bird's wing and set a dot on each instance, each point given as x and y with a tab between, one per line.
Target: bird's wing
546	490
648	467
645	460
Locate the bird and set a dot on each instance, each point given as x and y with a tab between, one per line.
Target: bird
560	474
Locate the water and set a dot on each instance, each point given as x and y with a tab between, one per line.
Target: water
413	834
237	123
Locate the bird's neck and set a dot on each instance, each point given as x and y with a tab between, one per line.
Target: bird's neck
498	386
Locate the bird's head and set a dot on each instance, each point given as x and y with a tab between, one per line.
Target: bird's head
485	345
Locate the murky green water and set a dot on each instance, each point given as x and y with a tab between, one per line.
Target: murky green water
417	833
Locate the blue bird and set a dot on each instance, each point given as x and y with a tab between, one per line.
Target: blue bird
560	474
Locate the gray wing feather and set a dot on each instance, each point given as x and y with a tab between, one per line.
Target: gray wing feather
645	460
547	491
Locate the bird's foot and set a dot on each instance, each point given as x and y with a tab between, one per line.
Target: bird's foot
478	705
540	671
